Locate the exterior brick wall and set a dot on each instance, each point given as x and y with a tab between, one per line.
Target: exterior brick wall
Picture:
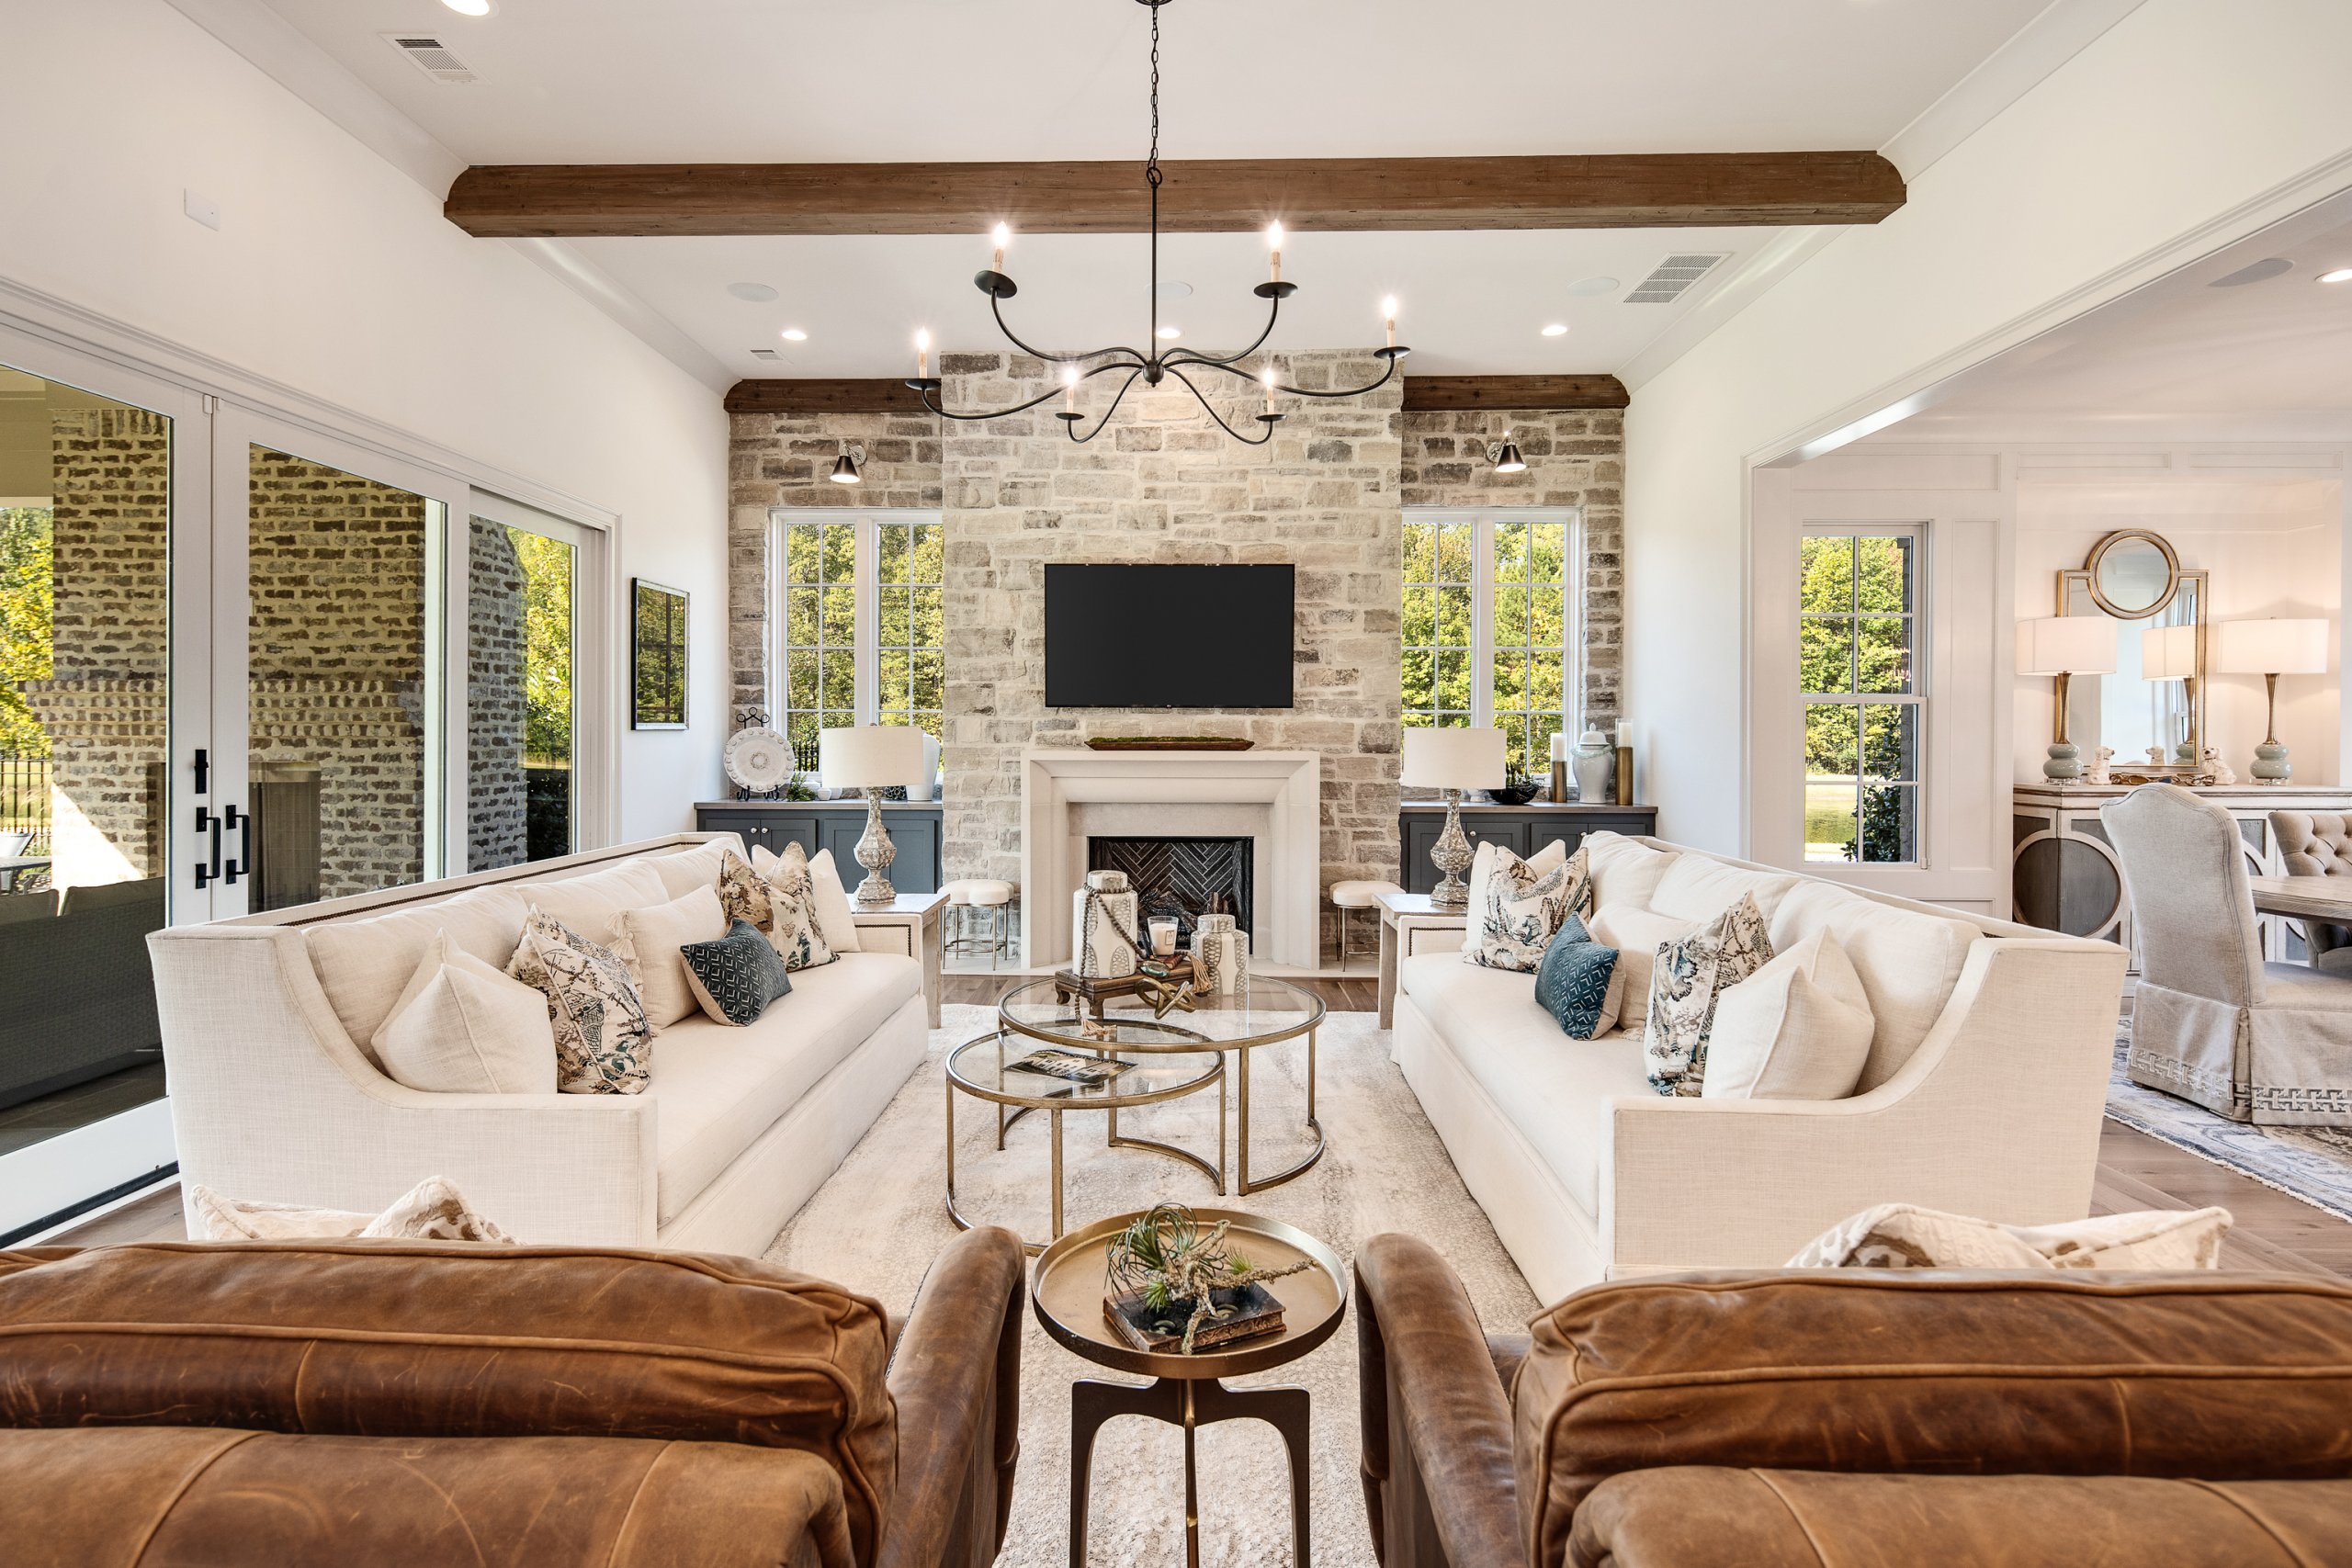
1574	459
497	825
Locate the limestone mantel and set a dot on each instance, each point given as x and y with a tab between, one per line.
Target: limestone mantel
1271	797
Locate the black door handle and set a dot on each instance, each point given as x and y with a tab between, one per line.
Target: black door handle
236	821
206	823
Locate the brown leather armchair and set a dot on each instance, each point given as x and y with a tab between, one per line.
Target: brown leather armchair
1829	1417
364	1402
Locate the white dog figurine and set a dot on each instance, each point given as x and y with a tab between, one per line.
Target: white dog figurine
2096	773
2218	767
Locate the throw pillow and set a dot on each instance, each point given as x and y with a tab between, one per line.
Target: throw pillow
1684	983
648	941
795	932
1524	910
1902	1236
736	976
1637	935
600	1029
1797	1028
433	1210
1580	983
1482	867
461	1027
743	895
814	874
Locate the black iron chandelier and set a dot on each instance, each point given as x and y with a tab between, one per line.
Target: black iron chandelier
1159	363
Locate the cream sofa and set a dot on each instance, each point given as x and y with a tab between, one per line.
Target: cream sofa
1983	1094
276	1096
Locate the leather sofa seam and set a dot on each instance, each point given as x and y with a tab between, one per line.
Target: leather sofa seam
2286	1547
186	1482
1795	1518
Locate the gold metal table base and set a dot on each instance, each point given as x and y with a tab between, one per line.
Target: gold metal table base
1192	1404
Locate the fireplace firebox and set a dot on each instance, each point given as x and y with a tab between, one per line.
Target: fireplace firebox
1180	877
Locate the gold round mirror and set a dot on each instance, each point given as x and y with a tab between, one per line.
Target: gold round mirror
2133	574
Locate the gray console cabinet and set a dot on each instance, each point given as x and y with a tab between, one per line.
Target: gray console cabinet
836	825
1523	829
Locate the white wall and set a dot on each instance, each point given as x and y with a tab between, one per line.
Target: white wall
334	274
2187	117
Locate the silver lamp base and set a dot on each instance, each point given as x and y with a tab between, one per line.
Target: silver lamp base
1452	855
874	852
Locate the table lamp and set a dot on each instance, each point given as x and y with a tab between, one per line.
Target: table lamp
2169	653
1452	760
2271	648
872	757
2065	646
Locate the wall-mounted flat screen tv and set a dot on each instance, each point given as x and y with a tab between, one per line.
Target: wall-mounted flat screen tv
1169	636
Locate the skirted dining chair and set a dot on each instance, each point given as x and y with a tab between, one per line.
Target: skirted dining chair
2212	1023
2318	843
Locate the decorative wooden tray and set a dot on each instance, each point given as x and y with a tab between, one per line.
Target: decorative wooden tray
1166	743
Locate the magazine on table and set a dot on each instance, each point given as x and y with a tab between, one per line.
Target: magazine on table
1070	1067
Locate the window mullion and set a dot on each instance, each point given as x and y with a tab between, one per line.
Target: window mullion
867	630
1482	621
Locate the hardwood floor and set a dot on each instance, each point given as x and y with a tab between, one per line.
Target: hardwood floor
2274	1232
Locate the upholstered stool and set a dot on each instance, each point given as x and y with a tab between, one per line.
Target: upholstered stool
970	893
1347	895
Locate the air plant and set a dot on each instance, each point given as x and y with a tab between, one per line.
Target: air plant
1167	1258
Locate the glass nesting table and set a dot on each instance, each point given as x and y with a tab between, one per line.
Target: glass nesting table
1164	1059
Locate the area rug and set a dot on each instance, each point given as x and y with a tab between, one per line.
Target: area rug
2313	1164
878	1222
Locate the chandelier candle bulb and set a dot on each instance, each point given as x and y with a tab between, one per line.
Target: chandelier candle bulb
1070	389
923	353
1267	381
1003	238
1388	308
1275	239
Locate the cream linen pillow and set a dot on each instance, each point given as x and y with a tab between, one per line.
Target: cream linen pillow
461	1027
1797	1028
649	940
1900	1235
1636	935
836	919
1482	866
433	1210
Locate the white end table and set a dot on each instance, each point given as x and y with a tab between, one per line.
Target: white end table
909	924
1411	925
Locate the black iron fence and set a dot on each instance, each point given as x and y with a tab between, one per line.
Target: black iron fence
24	802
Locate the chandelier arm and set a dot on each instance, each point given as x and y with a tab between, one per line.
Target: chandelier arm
1208	408
1047	395
1310	391
1194	356
996	308
1115	400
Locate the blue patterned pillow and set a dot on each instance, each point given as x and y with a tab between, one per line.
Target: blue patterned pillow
737	976
1579	982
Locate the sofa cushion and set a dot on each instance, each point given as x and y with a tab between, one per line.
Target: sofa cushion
1698	888
1625	870
1914	1370
651	941
1636	935
465	1026
1556	1091
1797	1028
720	1088
589	903
1685	982
364	965
1908	961
454	1339
689	868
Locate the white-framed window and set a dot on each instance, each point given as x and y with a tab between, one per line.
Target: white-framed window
857	630
1493	624
1861	675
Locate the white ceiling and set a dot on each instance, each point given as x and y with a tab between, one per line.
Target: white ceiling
627	80
2272	358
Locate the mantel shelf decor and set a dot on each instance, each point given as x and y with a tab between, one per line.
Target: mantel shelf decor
1157	363
1167	743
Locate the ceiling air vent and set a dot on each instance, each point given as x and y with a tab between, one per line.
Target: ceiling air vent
765	354
1674	277
433	57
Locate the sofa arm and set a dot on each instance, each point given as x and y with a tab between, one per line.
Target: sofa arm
1437	1479
1996	1114
956	1377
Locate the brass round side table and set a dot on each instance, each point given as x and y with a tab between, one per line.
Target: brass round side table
1067	1294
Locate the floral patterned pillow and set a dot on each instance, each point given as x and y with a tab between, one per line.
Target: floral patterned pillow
743	895
795	932
1684	983
600	1030
1525	911
788	871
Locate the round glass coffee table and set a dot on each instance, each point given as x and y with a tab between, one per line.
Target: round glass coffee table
983	1070
1256	1014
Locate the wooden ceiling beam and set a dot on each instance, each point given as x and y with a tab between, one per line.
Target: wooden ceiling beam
783	396
1316	195
1498	392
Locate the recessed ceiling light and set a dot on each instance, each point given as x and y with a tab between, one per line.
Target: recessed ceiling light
1557	329
469	8
2341	274
754	293
1588	287
793	335
1171	290
2258	272
1171	334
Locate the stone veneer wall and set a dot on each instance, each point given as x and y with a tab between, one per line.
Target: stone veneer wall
1574	459
787	460
497	796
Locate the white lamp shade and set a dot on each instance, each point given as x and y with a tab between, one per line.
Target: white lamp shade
1454	759
872	756
2273	648
2067	644
2169	653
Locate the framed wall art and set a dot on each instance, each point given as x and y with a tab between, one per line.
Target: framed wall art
656	656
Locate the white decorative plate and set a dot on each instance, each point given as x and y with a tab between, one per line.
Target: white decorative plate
758	758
